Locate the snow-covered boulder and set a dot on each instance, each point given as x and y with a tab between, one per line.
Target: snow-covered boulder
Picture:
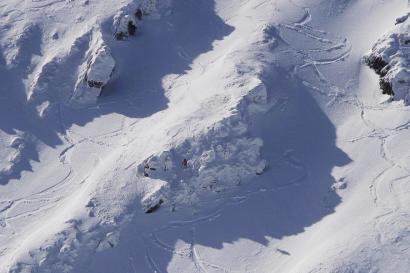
100	68
389	58
94	74
125	24
153	194
126	21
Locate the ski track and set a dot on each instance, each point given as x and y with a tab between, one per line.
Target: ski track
151	263
334	95
41	198
392	204
200	263
35	198
301	27
41	195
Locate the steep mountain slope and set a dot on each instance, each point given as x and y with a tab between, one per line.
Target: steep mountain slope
252	130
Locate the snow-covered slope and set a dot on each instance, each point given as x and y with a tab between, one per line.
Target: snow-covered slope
202	136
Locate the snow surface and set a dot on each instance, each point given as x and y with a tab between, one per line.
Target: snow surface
295	160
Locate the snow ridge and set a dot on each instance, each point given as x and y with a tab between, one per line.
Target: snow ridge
148	125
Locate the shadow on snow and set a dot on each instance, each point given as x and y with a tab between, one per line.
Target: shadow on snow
299	144
163	47
295	193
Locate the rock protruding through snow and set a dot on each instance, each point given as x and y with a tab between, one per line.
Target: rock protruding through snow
126	24
127	20
389	58
95	73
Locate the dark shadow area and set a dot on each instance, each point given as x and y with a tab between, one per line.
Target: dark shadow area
18	118
161	47
300	146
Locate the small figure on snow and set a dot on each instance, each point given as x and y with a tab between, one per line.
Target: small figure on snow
185	163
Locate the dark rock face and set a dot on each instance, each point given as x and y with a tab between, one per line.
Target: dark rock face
138	14
127	21
131	28
95	84
381	68
377	64
155	207
120	36
386	87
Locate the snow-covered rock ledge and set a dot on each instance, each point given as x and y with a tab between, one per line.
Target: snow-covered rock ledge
127	20
98	67
216	160
95	72
389	58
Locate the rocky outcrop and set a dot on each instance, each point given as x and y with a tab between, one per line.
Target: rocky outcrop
95	73
381	68
127	21
99	68
389	58
126	24
218	159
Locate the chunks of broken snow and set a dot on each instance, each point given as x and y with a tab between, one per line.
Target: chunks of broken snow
256	101
213	160
219	159
389	58
94	74
153	193
110	240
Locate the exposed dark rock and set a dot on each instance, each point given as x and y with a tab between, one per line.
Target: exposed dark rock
156	207
386	87
120	35
95	84
131	28
377	64
381	68
402	19
138	14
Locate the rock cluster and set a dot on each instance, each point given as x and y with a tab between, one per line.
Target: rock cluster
389	58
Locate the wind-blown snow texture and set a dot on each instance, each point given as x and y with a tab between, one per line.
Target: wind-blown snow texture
204	136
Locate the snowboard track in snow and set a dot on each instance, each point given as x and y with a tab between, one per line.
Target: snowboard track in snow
382	134
192	253
339	48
